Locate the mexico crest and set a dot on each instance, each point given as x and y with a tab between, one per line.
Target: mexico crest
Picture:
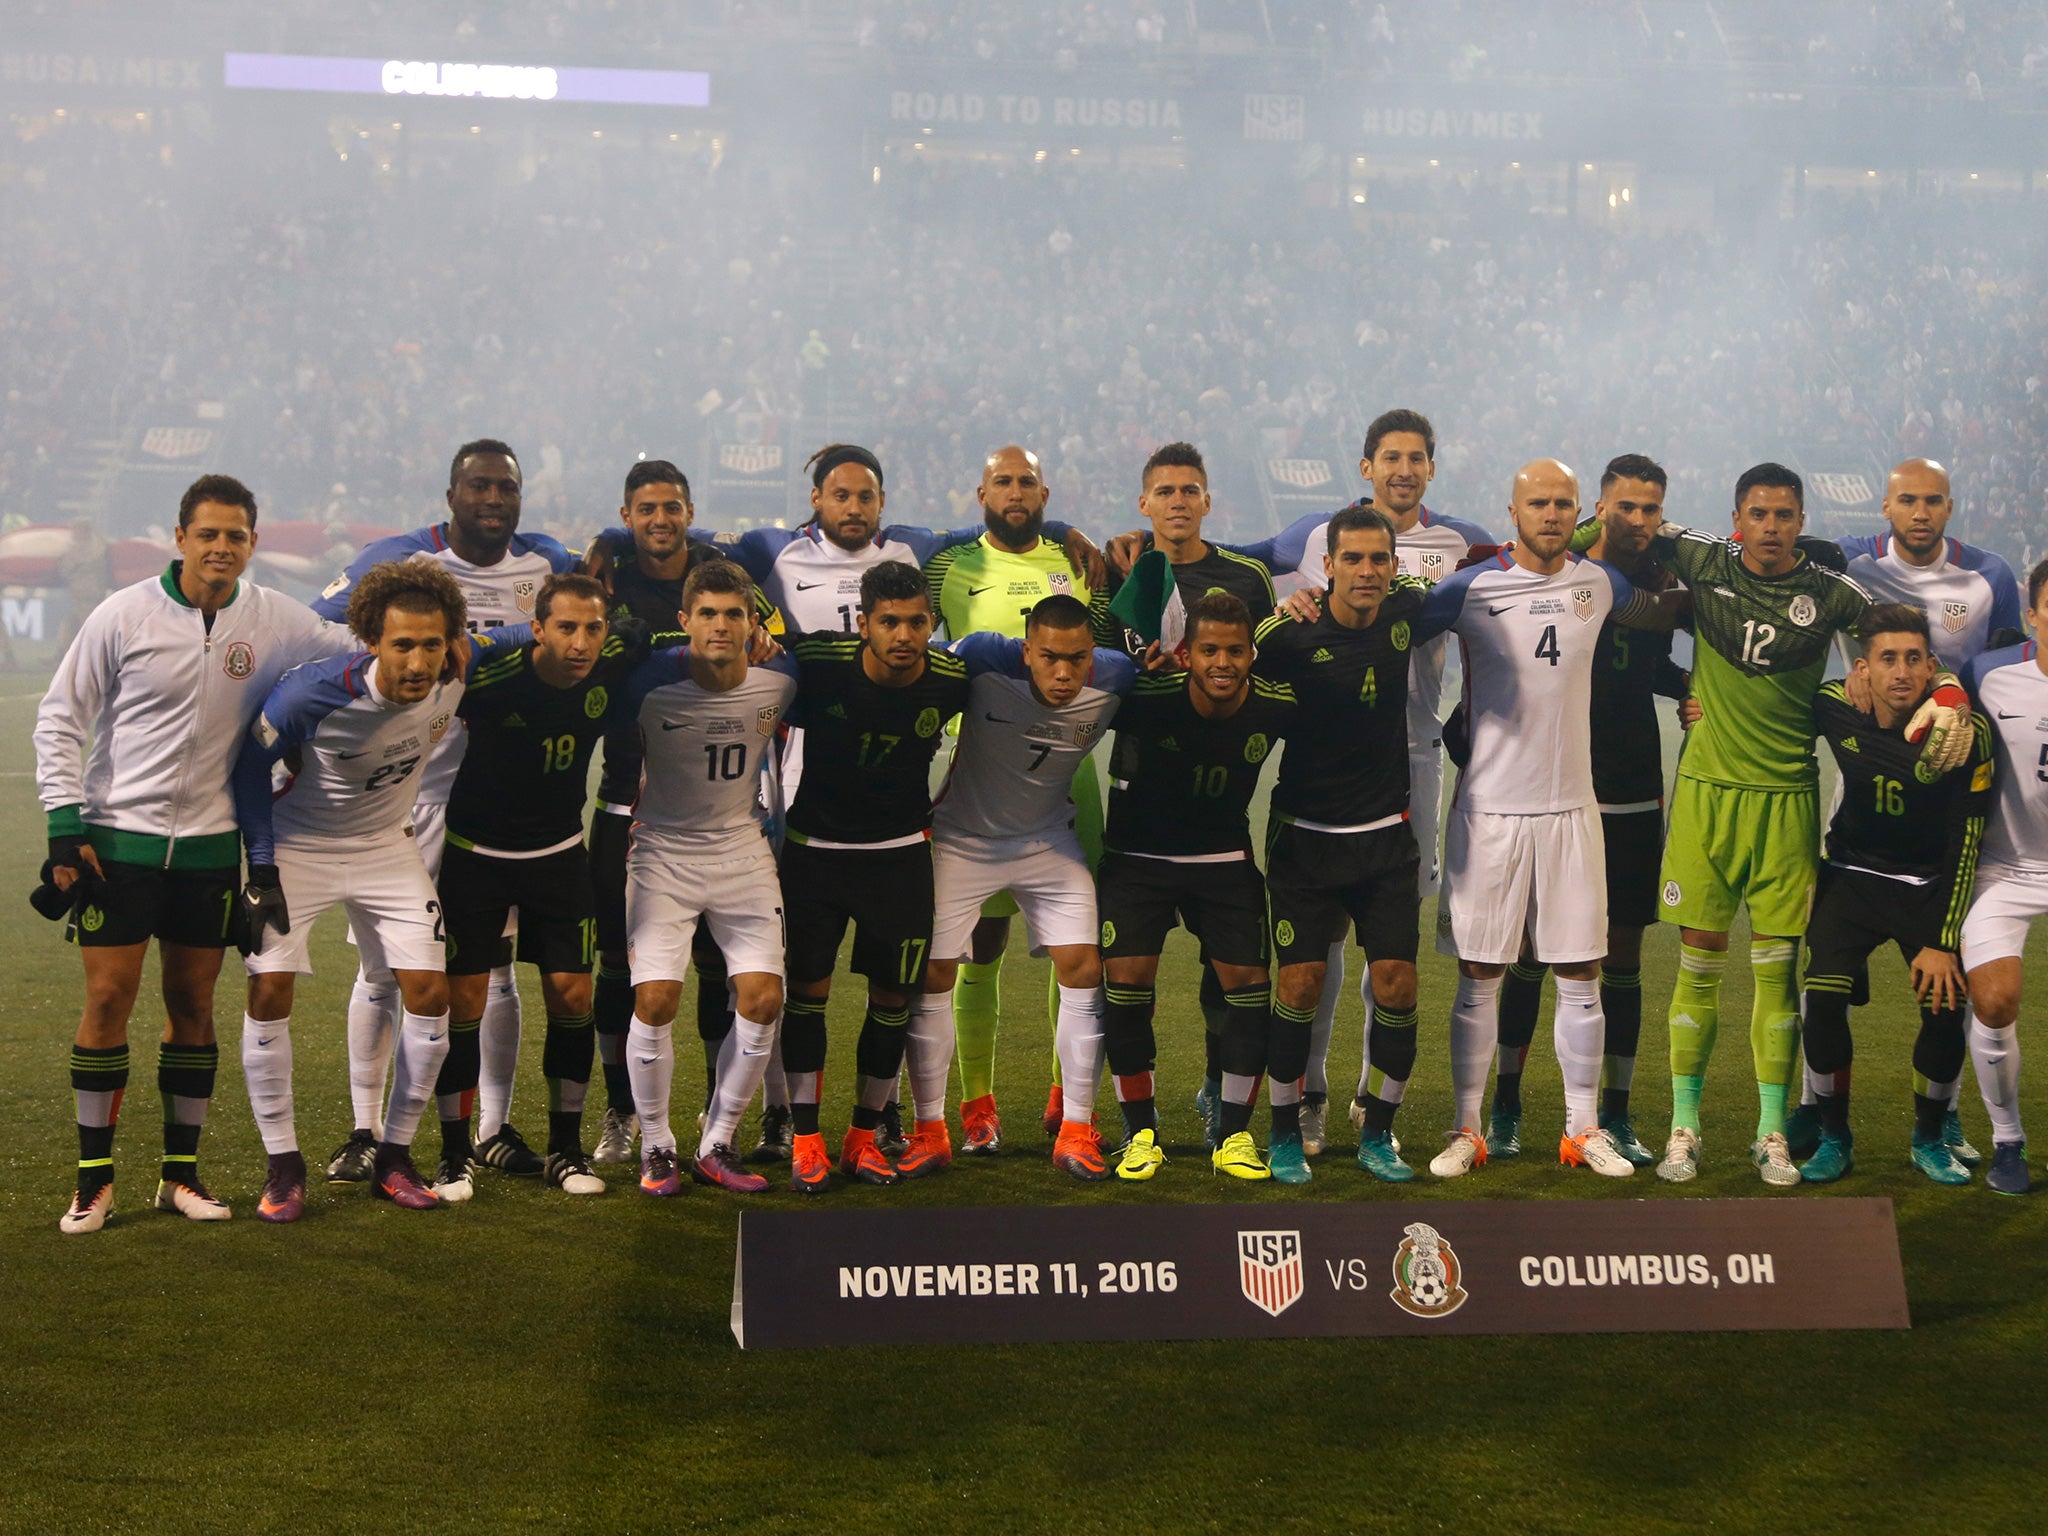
241	660
1426	1274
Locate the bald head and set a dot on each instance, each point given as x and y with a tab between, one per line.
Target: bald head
1012	494
1544	504
1917	503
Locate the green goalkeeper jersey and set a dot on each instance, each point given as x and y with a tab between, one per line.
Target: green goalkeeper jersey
978	587
1760	649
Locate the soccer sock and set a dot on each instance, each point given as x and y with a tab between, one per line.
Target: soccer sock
977	1009
1995	1053
1316	1081
714	1021
422	1047
565	1055
1284	1099
928	1050
748	1046
1773	1027
1938	1052
372	1023
1521	1001
99	1076
1242	1052
499	1039
1829	1048
1390	1062
455	1090
1052	1019
651	1058
1621	1002
1132	1049
1475	1030
1078	1041
878	1057
611	1012
1215	1008
1694	1020
267	1070
803	1060
1578	1033
1371	1016
184	1077
1287	1057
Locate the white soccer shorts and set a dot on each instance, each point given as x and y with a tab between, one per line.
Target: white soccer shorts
2005	901
1545	874
393	914
1052	886
669	891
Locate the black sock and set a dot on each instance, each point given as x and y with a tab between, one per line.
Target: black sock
1621	1000
1390	1058
1286	1120
1141	1115
1521	1002
184	1077
565	1132
611	1009
1236	1117
99	1076
803	1057
1928	1117
565	1063
1834	1107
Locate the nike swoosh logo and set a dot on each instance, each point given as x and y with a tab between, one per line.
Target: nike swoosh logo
2004	716
996	719
977	591
761	1052
674	725
648	1061
344	757
261	1041
432	1039
808	586
1503	608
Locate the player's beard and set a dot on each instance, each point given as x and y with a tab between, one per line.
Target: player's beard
1015	535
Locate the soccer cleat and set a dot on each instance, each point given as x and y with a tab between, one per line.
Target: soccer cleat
508	1152
722	1169
981	1127
1314	1119
1140	1158
1957	1143
571	1173
454	1185
1593	1148
1078	1151
1380	1155
399	1182
1464	1149
355	1160
1681	1156
1772	1158
1623	1135
889	1134
621	1129
2008	1173
860	1159
91	1216
1939	1162
1055	1114
659	1174
1209	1105
284	1190
1239	1157
1287	1162
930	1151
776	1135
1803	1132
1830	1160
810	1166
1357	1112
190	1201
1504	1133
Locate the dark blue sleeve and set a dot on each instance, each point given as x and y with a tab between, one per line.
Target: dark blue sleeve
753	551
1114	672
924	543
1284	551
986	651
295	707
1442	605
492	644
332	604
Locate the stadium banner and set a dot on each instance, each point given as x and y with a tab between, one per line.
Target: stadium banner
1108	106
1114	1271
431	77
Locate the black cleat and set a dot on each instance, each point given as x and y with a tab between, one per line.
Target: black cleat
508	1152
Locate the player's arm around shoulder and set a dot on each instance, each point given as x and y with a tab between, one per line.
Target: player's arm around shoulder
987	651
1443	608
70	708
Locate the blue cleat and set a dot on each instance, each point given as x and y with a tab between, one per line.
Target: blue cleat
1830	1160
1938	1161
1803	1132
2008	1173
1957	1143
1504	1134
1209	1105
1380	1156
1287	1162
1625	1140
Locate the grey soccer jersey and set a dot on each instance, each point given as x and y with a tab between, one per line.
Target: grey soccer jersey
703	750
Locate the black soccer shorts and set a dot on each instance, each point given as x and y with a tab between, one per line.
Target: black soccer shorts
1635	863
139	902
1856	913
886	893
1222	905
1320	884
552	894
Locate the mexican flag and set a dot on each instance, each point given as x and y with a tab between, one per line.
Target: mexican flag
1148	603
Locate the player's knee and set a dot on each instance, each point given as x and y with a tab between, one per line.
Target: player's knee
1077	966
1393	986
270	995
759	996
189	1012
1299	986
424	992
654	1002
939	977
1995	1002
567	993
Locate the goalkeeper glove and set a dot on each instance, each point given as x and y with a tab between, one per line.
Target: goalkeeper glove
1944	720
261	910
66	852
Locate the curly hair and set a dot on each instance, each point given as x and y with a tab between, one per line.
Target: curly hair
413	586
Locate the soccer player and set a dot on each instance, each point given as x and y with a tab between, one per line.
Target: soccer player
1339	851
1630	668
1005	823
1522	847
353	732
707	722
500	571
1177	847
1745	815
2011	688
857	849
1901	855
134	741
990	586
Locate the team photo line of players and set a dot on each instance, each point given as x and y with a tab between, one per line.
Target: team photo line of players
416	749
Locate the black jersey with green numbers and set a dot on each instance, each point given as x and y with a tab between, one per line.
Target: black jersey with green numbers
1180	781
867	749
526	772
1220	570
1346	764
1630	668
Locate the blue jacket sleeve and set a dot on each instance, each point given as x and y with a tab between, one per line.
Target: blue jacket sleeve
1442	605
985	651
1284	551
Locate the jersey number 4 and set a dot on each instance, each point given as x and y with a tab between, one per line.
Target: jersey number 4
1546	645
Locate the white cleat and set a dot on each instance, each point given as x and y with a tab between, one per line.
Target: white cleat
1314	1132
1682	1157
452	1186
192	1204
89	1218
1593	1148
615	1146
1772	1157
1461	1152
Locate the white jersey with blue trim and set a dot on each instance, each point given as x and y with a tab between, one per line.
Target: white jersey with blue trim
497	594
702	751
1968	594
814	581
1017	756
1528	642
2009	689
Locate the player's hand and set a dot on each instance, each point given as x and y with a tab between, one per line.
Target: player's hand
1938	979
1479	554
597	561
1302	604
1689	713
1123	551
456	667
261	910
1944	720
1158	659
1857	690
1086	560
70	875
762	647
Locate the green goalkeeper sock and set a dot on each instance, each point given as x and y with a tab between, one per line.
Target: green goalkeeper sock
1694	1020
1773	1027
977	1007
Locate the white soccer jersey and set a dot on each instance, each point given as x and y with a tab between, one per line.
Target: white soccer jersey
813	581
1017	756
1967	593
2011	690
702	751
1528	644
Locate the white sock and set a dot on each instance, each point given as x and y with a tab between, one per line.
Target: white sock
1579	1033
742	1062
1078	1040
267	1069
928	1053
1809	1085
1475	1031
1324	1024
498	1039
422	1047
1995	1053
651	1063
372	1021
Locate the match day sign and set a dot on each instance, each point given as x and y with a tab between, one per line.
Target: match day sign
1024	1274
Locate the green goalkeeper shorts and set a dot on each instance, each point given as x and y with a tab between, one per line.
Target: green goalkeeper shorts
1728	847
1086	794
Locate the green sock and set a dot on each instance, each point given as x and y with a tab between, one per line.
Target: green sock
1685	1102
1694	1020
1774	1027
977	1007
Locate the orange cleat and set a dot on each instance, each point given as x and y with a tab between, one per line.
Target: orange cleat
810	1165
930	1151
860	1158
1079	1152
981	1126
1055	1110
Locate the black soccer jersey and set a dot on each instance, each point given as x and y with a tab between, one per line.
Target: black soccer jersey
1220	570
1630	668
1346	763
867	749
1180	782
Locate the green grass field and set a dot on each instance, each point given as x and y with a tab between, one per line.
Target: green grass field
532	1362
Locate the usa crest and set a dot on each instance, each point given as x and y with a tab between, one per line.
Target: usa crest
1426	1273
1269	1270
240	661
764	719
1582	603
1433	565
437	725
1954	616
522	594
